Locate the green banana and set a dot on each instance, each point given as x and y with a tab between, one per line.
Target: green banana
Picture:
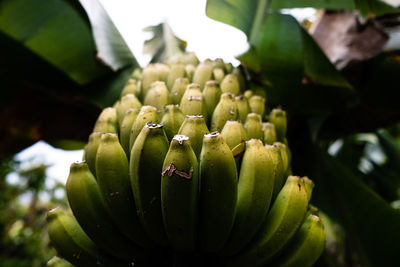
233	133
127	101
179	194
192	102
146	114
157	96
305	247
257	104
162	71
255	188
203	73
58	262
112	170
240	76
269	133
91	151
218	194
218	74
107	122
131	87
89	209
253	126
277	116
70	241
189	71
211	95
284	150
149	76
281	223
225	110
230	84
178	89
243	107
194	127
177	71
172	120
279	171
125	129
145	169
248	94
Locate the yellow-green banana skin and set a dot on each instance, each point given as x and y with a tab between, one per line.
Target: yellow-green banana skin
89	209
112	169
218	194
146	162
179	194
282	221
255	188
70	240
305	247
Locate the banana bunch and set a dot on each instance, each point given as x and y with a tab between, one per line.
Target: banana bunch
187	169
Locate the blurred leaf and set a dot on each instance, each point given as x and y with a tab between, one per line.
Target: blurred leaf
111	47
319	4
164	44
370	223
67	144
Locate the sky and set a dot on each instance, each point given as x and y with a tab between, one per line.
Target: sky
206	37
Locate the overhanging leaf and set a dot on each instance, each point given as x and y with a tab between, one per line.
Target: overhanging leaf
111	46
164	44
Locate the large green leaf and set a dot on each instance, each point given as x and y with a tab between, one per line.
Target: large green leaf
371	224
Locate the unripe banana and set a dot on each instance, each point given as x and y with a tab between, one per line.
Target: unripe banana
179	194
278	118
58	262
112	170
218	74
91	151
233	133
149	75
218	194
146	114
279	171
240	76
248	94
189	71
255	187
157	96
218	63
107	122
243	107
283	220
70	241
194	127
225	110
177	71
192	102
163	71
89	209
228	67
203	73
257	104
131	87
253	126
178	89
136	74
259	90
305	247
125	129
230	84
283	149
127	101
211	95
269	133
145	174
172	120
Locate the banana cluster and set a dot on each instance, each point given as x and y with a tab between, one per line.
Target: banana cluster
187	168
